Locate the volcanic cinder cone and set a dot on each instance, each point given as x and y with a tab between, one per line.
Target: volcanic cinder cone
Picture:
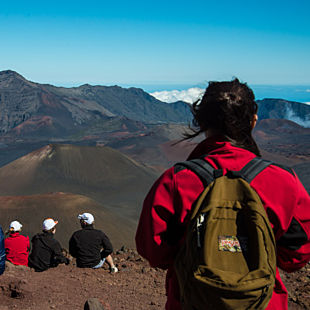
100	180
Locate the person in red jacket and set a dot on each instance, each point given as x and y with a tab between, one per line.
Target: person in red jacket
226	114
17	246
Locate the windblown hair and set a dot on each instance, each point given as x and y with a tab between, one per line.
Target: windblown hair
228	108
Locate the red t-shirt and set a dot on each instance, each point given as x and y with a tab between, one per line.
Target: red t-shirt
17	249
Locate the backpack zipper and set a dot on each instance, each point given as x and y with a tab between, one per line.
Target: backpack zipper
263	296
199	222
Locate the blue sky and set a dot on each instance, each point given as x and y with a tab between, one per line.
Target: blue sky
173	43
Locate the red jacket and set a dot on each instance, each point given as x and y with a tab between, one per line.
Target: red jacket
17	249
170	199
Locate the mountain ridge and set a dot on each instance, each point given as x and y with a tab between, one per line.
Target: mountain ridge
68	108
271	108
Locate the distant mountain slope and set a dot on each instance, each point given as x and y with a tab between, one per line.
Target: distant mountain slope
303	172
101	173
45	110
132	103
284	109
280	140
285	138
157	146
29	109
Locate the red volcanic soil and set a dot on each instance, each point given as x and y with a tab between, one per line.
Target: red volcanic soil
34	123
136	286
49	100
178	151
120	134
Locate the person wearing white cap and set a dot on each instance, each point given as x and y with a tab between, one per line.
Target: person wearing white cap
17	246
91	247
46	251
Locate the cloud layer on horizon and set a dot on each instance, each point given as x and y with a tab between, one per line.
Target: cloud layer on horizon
189	95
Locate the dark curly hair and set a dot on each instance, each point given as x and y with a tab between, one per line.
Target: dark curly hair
228	108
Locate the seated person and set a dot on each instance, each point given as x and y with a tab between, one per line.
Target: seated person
2	252
90	246
17	246
46	251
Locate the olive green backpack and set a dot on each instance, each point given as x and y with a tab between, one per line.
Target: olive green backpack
228	259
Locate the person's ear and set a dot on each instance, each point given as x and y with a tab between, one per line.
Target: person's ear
254	120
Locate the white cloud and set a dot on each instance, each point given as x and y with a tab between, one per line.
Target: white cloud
307	90
189	95
292	117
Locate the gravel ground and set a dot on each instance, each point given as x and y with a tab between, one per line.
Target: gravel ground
136	286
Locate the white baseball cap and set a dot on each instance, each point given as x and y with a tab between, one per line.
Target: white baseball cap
49	224
15	226
86	217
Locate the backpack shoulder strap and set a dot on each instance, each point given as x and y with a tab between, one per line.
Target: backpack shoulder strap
207	173
200	167
253	168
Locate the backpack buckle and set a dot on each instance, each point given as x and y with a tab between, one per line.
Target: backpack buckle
218	173
234	174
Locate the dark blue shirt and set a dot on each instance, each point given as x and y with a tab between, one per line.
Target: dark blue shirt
2	252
